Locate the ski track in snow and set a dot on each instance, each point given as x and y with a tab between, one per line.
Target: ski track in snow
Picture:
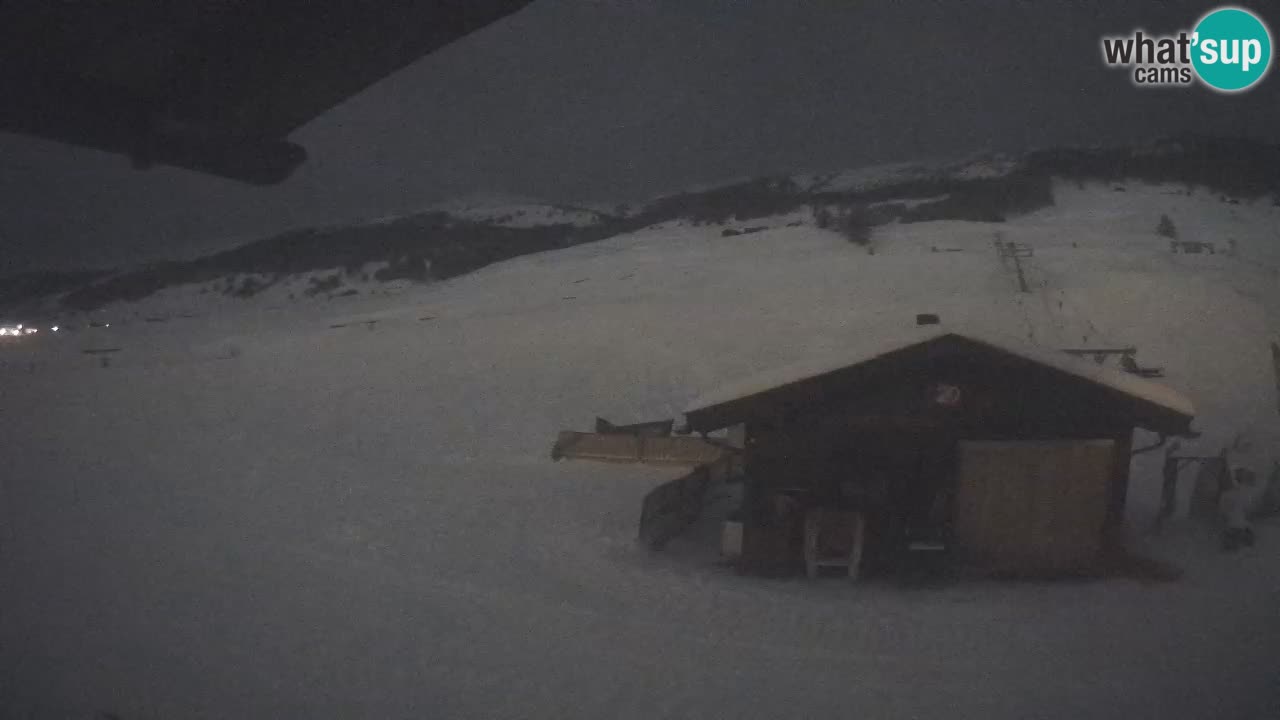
255	514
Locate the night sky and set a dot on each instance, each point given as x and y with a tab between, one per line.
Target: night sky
618	100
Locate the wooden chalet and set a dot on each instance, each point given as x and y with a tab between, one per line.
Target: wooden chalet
984	450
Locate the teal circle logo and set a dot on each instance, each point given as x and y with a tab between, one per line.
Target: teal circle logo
1231	49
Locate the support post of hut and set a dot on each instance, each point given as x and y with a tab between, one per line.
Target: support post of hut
1114	530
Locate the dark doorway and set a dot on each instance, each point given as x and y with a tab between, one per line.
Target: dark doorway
904	482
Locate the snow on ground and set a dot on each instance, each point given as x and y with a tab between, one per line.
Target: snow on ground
255	513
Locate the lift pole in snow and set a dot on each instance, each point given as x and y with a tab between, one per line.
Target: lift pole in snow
1017	252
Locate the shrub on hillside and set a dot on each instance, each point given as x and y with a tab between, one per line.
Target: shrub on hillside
410	267
855	225
318	286
853	222
823	217
248	287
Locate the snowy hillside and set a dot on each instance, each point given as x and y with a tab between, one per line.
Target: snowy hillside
461	236
344	508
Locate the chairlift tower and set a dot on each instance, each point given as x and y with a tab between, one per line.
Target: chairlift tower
1016	251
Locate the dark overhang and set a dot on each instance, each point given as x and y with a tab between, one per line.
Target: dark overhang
214	86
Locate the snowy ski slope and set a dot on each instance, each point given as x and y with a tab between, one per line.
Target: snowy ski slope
345	509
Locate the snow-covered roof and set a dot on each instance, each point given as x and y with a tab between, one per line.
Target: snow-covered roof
874	346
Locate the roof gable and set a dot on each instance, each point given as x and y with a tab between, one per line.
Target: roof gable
1151	405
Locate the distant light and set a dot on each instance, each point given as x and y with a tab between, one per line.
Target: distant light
54	328
19	326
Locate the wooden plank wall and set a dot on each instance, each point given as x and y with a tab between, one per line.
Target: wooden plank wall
1034	507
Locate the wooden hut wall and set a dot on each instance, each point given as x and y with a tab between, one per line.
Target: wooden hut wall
806	443
1034	506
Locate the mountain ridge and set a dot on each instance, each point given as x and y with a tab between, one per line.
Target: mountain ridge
454	238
